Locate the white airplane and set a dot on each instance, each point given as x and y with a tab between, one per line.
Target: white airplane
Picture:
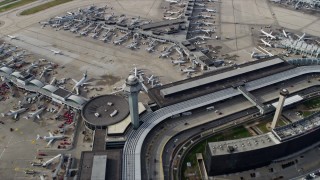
206	16
284	33
210	10
35	114
172	18
32	65
13	113
165	54
45	70
172	12
80	83
50	138
56	52
178	62
150	48
172	1
109	17
133	45
136	71
70	13
269	35
12	37
51	160
207	31
150	79
207	23
200	37
200	4
188	71
301	37
266	43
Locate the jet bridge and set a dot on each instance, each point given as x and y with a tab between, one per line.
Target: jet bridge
255	101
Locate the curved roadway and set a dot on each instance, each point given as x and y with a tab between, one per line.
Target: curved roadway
132	149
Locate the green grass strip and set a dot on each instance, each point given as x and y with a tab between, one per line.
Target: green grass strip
43	7
6	2
15	5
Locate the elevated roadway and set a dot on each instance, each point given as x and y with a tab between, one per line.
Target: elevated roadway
132	149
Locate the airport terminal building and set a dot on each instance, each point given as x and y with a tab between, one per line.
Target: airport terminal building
232	156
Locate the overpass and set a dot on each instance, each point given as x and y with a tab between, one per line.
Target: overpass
132	149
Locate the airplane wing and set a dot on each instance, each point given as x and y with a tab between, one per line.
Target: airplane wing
15	116
50	134
38	116
75	81
11	110
86	83
50	142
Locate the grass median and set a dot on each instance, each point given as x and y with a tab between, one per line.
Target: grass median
14	4
43	7
6	2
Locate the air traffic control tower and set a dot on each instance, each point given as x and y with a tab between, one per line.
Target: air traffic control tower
133	87
283	94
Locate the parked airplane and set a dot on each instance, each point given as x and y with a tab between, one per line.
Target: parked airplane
150	48
136	71
12	37
172	1
80	83
50	138
179	62
172	18
200	37
165	54
301	37
211	10
35	114
51	160
266	43
172	12
188	71
207	23
151	78
32	65
134	21
56	51
269	35
45	70
133	45
284	33
200	4
109	17
15	113
207	31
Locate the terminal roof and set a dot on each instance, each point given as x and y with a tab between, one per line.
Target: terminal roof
297	128
242	145
217	77
214	81
61	93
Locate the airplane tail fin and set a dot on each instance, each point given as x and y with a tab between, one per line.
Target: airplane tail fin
38	136
3	114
